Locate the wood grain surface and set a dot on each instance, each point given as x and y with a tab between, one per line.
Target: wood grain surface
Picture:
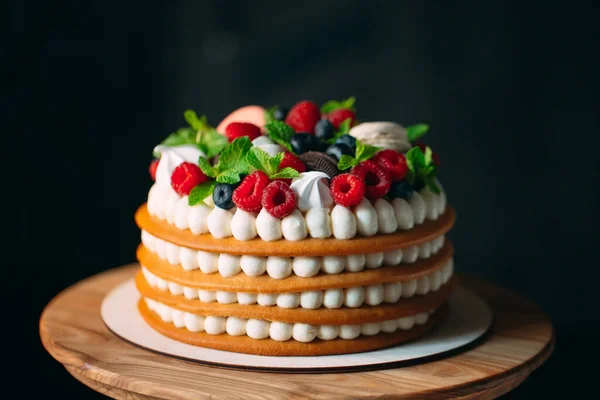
72	331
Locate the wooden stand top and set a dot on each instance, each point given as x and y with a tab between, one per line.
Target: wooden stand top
73	332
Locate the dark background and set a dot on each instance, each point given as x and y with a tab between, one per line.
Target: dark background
509	88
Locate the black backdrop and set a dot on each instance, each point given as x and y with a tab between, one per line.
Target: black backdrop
509	89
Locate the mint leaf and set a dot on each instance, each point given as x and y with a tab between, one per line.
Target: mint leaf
430	183
233	156
286	173
270	114
280	133
364	151
196	123
261	160
428	156
201	192
333	105
230	177
211	142
344	129
346	162
415	159
206	168
414	132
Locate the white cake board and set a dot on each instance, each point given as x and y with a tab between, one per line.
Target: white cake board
468	320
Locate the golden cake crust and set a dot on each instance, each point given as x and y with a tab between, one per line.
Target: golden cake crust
425	232
270	347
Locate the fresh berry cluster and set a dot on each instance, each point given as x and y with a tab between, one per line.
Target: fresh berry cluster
236	173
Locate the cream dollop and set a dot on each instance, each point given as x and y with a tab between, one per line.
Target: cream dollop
269	146
243	225
312	190
171	157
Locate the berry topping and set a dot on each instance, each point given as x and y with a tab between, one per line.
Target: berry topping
347	190
337	150
280	113
238	129
152	169
303	142
348	140
336	117
279	199
317	161
223	195
393	162
304	116
401	189
185	176
290	160
248	195
377	180
324	129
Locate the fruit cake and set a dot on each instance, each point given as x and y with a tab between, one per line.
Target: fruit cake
294	233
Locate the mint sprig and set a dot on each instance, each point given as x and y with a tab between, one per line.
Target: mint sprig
280	133
232	162
333	105
199	133
201	192
363	153
344	129
414	132
262	161
421	168
270	114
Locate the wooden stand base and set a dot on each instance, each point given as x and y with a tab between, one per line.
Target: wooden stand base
72	331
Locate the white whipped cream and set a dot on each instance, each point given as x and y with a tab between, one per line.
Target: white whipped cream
371	295
312	190
365	218
279	331
171	157
267	145
209	263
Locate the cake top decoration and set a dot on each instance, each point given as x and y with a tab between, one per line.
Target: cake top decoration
251	158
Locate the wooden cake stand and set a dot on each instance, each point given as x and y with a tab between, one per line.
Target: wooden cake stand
73	332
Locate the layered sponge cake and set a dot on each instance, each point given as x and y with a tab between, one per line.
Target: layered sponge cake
300	232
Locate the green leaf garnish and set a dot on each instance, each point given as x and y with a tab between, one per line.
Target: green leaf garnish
344	129
206	168
233	155
287	172
230	177
199	133
280	133
262	161
270	114
333	105
363	153
201	192
421	168
414	132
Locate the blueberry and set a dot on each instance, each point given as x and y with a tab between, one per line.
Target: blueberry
324	129
348	140
222	195
302	142
280	113
336	151
401	189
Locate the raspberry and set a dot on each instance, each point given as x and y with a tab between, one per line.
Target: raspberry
393	162
185	177
338	116
279	199
304	116
152	169
238	129
248	195
377	180
347	190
